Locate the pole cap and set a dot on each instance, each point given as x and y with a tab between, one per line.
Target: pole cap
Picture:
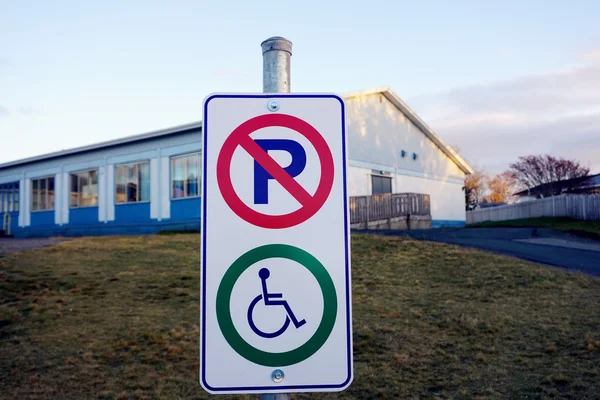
276	43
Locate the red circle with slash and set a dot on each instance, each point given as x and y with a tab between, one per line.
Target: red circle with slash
310	203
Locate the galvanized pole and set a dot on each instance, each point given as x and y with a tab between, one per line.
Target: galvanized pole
277	52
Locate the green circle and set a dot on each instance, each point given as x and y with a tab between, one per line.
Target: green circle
298	354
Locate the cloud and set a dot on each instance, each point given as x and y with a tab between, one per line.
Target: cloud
4	111
592	56
29	110
493	124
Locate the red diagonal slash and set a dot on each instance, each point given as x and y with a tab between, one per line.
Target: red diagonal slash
276	170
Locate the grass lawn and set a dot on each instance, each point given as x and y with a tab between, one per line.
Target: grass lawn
561	224
116	318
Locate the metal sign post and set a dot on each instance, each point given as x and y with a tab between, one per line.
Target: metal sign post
277	54
275	314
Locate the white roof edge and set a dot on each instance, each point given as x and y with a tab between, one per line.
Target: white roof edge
415	119
108	143
366	92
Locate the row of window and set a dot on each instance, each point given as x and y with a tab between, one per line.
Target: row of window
132	184
9	198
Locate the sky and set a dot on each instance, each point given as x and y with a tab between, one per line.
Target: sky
496	79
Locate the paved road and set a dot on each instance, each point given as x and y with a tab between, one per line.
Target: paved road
544	246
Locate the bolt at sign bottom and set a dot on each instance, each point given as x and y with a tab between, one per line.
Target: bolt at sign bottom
277	376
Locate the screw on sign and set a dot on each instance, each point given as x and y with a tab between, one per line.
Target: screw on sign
276	303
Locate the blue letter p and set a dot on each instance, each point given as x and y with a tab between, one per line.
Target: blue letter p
261	177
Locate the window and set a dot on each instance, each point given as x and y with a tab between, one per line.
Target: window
132	182
84	189
185	176
381	184
3	199
42	194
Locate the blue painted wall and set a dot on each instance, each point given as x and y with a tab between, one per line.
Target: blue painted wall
83	216
134	212
184	209
446	223
14	222
100	229
42	218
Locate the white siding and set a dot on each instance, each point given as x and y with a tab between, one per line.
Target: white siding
22	202
102	194
358	181
165	185
110	193
27	203
155	188
447	198
66	190
446	195
378	132
57	198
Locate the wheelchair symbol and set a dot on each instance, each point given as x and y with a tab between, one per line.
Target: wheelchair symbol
267	297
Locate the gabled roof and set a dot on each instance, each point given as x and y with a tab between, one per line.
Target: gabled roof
386	91
414	118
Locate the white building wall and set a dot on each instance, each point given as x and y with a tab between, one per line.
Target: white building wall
21	203
58	194
447	198
155	188
65	198
102	194
110	192
26	203
378	132
165	193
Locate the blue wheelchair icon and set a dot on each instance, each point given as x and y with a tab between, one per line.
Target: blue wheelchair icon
267	298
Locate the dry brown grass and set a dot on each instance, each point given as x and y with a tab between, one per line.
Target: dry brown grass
117	318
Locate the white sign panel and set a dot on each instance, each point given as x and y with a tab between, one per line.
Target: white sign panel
275	271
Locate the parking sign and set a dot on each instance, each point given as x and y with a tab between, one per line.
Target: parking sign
275	311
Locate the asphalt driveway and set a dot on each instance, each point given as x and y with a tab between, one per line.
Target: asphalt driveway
543	246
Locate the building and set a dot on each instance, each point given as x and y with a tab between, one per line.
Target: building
390	149
151	182
583	185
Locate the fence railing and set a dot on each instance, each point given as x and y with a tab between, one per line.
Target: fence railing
577	206
383	206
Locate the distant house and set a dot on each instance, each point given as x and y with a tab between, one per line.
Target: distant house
583	185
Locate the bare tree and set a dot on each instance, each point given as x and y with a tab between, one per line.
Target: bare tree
551	174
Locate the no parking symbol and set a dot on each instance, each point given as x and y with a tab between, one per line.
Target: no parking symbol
241	137
275	307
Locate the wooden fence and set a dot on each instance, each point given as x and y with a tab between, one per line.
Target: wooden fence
577	206
383	206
